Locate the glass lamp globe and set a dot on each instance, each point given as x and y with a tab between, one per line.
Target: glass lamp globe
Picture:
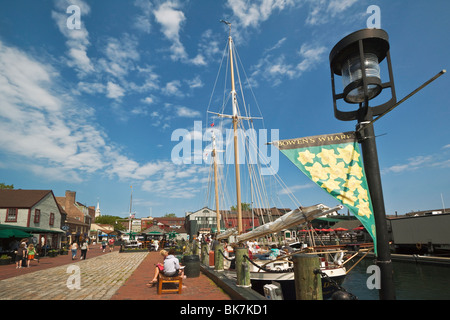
352	78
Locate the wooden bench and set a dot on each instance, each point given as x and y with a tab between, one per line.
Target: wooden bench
163	279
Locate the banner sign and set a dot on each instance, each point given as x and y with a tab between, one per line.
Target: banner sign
334	163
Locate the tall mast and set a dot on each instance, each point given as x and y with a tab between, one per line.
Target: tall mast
216	186
131	203
235	125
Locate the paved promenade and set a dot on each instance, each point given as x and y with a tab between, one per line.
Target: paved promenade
102	276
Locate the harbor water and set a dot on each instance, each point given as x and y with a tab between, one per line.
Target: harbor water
412	281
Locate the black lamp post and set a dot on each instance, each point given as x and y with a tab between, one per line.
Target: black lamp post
368	48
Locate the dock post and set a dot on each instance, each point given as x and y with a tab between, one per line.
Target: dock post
308	285
242	268
195	247
218	257
204	254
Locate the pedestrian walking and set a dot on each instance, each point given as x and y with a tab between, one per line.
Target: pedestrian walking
104	242
31	254
84	249
21	254
111	244
74	249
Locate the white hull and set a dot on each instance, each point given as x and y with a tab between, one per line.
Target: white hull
285	276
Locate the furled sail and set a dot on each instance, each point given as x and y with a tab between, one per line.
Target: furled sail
293	218
226	234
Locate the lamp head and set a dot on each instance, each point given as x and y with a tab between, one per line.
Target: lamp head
356	58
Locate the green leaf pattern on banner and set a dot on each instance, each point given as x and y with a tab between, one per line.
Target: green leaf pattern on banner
338	169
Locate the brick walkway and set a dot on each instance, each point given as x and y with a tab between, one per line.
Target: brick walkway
199	288
104	276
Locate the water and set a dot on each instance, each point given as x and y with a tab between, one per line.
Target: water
411	281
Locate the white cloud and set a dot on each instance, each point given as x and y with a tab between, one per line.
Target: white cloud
37	124
276	68
412	164
121	56
176	181
321	11
114	91
170	19
142	21
295	188
77	39
187	112
149	100
172	88
252	13
195	83
311	56
41	130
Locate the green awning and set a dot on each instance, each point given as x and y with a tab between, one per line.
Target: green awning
30	229
13	233
154	232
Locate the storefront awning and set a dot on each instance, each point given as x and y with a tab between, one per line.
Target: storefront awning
30	229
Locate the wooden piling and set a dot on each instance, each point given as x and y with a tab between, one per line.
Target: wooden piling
242	268
195	247
204	254
218	257
308	285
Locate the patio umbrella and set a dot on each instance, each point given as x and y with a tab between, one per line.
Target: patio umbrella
13	233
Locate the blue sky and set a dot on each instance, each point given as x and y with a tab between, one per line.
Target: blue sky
94	109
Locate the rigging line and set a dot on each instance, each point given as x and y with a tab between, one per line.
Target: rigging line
250	87
207	199
262	198
280	181
240	86
283	184
261	190
217	77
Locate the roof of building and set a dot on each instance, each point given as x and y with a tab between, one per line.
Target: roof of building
18	198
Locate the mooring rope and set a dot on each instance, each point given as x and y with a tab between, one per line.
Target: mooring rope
226	258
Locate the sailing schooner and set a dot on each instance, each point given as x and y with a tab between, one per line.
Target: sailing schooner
279	269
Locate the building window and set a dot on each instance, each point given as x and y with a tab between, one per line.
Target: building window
51	221
37	215
11	216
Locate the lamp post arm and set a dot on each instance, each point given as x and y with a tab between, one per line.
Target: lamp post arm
403	100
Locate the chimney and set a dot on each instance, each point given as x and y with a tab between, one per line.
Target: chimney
70	198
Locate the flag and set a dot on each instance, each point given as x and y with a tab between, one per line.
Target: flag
334	163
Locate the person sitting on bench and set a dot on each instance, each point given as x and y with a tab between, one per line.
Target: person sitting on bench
170	268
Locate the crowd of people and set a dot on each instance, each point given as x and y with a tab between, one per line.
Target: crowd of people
83	246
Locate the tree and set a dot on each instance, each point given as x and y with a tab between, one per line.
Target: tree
112	220
244	206
170	215
6	186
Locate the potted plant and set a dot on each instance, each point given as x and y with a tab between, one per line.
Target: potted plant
5	259
64	251
52	253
